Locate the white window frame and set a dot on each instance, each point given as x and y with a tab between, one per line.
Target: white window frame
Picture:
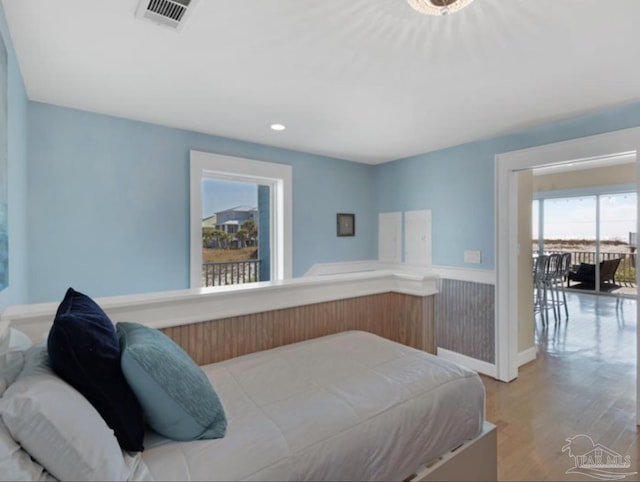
277	176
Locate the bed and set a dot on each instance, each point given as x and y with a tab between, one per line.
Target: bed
350	406
347	406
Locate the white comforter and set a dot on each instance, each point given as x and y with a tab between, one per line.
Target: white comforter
351	406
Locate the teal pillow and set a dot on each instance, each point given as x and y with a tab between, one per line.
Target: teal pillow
176	396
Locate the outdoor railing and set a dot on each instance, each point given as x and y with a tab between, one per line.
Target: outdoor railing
626	272
230	272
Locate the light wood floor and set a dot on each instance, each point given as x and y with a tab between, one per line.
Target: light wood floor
583	382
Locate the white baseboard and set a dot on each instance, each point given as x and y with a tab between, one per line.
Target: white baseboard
527	355
466	361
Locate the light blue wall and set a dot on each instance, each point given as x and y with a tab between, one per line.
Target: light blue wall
108	198
16	292
109	203
458	183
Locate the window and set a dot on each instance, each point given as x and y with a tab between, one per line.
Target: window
274	181
235	227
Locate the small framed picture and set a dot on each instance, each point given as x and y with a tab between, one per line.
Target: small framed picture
346	224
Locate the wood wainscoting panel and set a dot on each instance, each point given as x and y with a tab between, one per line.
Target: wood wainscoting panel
466	319
403	318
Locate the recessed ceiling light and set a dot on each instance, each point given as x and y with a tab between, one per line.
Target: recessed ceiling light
278	127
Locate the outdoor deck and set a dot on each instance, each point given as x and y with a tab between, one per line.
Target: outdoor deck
230	272
625	277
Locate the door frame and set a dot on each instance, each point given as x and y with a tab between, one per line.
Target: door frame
507	164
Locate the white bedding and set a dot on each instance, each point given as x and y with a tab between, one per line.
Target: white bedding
350	406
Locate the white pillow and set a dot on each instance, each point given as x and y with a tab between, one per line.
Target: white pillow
15	463
4	336
59	428
12	340
12	348
18	341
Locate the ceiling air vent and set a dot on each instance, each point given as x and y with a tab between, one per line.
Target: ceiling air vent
168	13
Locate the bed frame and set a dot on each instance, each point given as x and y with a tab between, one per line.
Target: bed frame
475	460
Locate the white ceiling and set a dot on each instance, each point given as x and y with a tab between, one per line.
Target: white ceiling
364	80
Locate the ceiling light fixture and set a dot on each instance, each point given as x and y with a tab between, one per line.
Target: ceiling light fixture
439	7
278	127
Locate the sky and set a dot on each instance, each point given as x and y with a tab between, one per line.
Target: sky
219	195
575	217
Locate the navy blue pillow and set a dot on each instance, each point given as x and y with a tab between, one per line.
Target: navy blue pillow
85	352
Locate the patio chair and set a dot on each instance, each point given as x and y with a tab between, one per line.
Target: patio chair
586	273
548	274
561	274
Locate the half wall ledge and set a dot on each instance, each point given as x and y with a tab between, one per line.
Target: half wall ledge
173	309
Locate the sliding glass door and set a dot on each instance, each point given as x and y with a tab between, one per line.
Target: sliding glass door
617	247
599	232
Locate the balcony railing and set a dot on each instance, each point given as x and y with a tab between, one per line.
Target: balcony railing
626	272
230	272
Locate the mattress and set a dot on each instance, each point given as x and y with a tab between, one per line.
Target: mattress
350	406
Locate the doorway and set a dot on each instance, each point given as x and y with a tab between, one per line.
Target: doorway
624	142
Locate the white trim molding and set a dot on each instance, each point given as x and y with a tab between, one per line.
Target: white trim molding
528	355
585	191
507	165
484	276
323	269
467	361
277	176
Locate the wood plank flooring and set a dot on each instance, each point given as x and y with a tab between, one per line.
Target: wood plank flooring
583	382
